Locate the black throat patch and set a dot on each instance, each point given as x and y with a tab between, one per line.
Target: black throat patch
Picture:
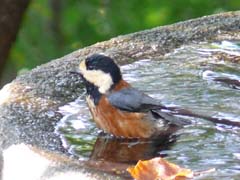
93	91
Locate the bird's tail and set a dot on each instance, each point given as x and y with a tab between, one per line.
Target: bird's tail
176	111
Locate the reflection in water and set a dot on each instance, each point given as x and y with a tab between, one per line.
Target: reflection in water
115	155
130	150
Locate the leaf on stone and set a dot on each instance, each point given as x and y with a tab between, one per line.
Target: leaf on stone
159	169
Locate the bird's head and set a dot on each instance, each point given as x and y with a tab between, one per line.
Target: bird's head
101	71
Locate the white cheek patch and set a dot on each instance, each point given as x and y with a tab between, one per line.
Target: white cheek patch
97	77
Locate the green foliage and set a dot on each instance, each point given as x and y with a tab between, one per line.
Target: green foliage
86	22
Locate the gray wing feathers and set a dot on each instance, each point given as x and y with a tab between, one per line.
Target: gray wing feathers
172	119
130	99
133	100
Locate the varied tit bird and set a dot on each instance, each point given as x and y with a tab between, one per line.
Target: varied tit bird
117	107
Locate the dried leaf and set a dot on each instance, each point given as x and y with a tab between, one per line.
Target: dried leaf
158	169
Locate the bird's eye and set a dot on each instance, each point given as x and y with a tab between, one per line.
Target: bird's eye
91	64
90	67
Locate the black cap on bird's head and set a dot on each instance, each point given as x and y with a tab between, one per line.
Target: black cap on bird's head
105	64
101	71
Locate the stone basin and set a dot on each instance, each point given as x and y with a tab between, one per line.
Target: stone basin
29	146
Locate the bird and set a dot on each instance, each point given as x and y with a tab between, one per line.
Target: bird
117	107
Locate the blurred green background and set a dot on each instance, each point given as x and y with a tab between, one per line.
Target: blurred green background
53	28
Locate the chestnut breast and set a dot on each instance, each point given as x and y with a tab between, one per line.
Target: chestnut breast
120	123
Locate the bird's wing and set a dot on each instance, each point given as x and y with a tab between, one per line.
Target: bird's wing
133	100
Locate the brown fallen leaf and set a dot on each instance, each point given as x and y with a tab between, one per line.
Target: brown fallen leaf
159	169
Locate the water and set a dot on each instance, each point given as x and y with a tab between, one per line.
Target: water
203	78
